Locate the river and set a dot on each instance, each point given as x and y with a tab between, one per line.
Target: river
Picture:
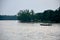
13	30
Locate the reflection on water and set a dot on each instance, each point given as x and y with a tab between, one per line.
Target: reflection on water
13	30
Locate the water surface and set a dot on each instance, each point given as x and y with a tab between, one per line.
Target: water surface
13	30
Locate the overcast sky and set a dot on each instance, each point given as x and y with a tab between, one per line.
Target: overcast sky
12	7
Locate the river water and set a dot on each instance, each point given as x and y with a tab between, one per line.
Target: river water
13	30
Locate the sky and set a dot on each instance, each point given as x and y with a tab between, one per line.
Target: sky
12	7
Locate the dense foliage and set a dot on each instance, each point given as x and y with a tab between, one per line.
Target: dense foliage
46	16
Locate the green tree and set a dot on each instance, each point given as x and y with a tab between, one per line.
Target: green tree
57	15
32	15
48	15
24	16
38	17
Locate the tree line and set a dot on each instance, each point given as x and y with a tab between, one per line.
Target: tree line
8	17
51	16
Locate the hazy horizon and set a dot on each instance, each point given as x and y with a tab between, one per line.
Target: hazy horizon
12	7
